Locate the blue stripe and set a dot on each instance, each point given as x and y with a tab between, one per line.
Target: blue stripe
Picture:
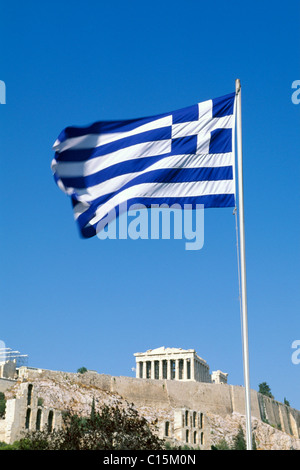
223	106
183	175
190	113
161	175
81	155
220	141
184	145
130	166
212	201
88	232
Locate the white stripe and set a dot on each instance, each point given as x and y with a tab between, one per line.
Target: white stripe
205	126
96	140
148	190
205	109
78	169
79	209
184	129
87	195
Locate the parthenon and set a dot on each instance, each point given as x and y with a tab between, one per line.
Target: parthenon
173	364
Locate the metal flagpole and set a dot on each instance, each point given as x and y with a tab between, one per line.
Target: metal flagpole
243	264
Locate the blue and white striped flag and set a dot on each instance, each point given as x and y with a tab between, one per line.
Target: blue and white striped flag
182	157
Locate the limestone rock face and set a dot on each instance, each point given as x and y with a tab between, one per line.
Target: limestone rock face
68	395
266	437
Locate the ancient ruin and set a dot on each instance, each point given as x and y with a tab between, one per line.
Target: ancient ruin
172	364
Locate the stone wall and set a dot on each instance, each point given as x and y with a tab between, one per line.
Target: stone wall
220	399
167	401
6	384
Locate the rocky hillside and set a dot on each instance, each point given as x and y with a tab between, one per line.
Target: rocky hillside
68	392
266	437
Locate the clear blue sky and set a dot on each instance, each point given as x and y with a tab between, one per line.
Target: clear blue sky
69	302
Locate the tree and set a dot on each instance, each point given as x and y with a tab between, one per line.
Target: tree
239	442
2	405
264	389
222	445
82	370
111	429
286	402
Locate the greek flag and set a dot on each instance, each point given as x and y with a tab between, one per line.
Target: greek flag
181	157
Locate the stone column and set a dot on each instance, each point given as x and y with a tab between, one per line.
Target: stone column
193	367
160	369
152	370
168	369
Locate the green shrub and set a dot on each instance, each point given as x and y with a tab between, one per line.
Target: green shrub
2	405
111	429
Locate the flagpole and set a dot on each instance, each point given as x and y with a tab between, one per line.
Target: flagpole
243	264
